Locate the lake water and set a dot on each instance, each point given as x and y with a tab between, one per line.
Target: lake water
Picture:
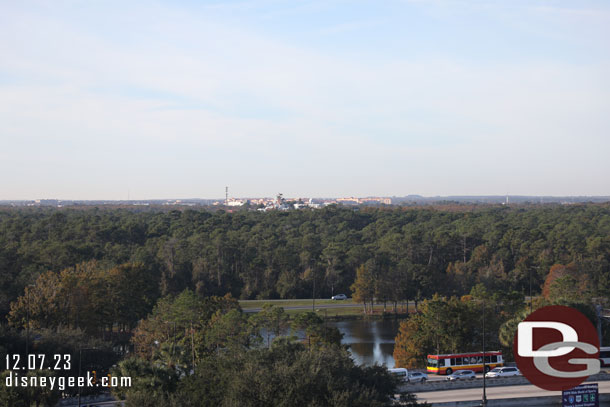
370	341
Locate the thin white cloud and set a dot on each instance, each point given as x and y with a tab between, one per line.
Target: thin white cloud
184	95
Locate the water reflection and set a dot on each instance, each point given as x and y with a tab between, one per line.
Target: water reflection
370	341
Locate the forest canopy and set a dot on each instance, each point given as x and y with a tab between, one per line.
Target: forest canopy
305	253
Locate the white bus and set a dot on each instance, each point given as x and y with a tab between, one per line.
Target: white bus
401	373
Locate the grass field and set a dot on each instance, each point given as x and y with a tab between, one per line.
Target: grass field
332	312
342	311
246	304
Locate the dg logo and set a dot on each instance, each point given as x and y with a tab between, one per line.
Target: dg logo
556	348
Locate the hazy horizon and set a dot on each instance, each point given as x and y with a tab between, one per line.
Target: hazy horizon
398	197
105	100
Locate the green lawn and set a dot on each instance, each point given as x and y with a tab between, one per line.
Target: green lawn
355	310
246	304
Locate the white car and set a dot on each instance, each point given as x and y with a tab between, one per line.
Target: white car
462	375
503	372
339	297
417	377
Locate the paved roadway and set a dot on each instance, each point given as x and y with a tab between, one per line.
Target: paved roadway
98	404
321	306
432	377
504	392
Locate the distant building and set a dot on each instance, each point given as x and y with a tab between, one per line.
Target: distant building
235	202
369	200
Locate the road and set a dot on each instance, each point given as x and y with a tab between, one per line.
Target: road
504	392
443	378
98	404
321	306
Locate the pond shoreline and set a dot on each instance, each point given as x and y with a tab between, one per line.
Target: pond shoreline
374	317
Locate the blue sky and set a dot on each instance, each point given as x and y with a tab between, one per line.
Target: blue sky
308	98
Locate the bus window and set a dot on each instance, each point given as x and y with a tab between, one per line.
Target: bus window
432	362
458	361
399	372
479	360
494	359
453	361
487	359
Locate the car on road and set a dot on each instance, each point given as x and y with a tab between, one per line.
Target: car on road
462	375
505	371
417	377
339	297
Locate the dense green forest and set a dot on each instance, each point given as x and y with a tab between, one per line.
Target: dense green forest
152	294
297	254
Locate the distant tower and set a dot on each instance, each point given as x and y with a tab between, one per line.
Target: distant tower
226	195
507	199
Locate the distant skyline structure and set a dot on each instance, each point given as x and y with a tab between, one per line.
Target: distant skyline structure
317	202
312	98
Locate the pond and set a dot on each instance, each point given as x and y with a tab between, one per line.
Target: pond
370	341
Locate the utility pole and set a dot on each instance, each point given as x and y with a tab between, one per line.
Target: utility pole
80	359
438	328
484	403
599	311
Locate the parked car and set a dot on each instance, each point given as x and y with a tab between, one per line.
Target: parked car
462	375
503	372
417	377
339	297
400	373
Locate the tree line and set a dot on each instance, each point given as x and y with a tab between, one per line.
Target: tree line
159	290
305	253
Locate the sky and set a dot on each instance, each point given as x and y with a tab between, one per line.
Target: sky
103	99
